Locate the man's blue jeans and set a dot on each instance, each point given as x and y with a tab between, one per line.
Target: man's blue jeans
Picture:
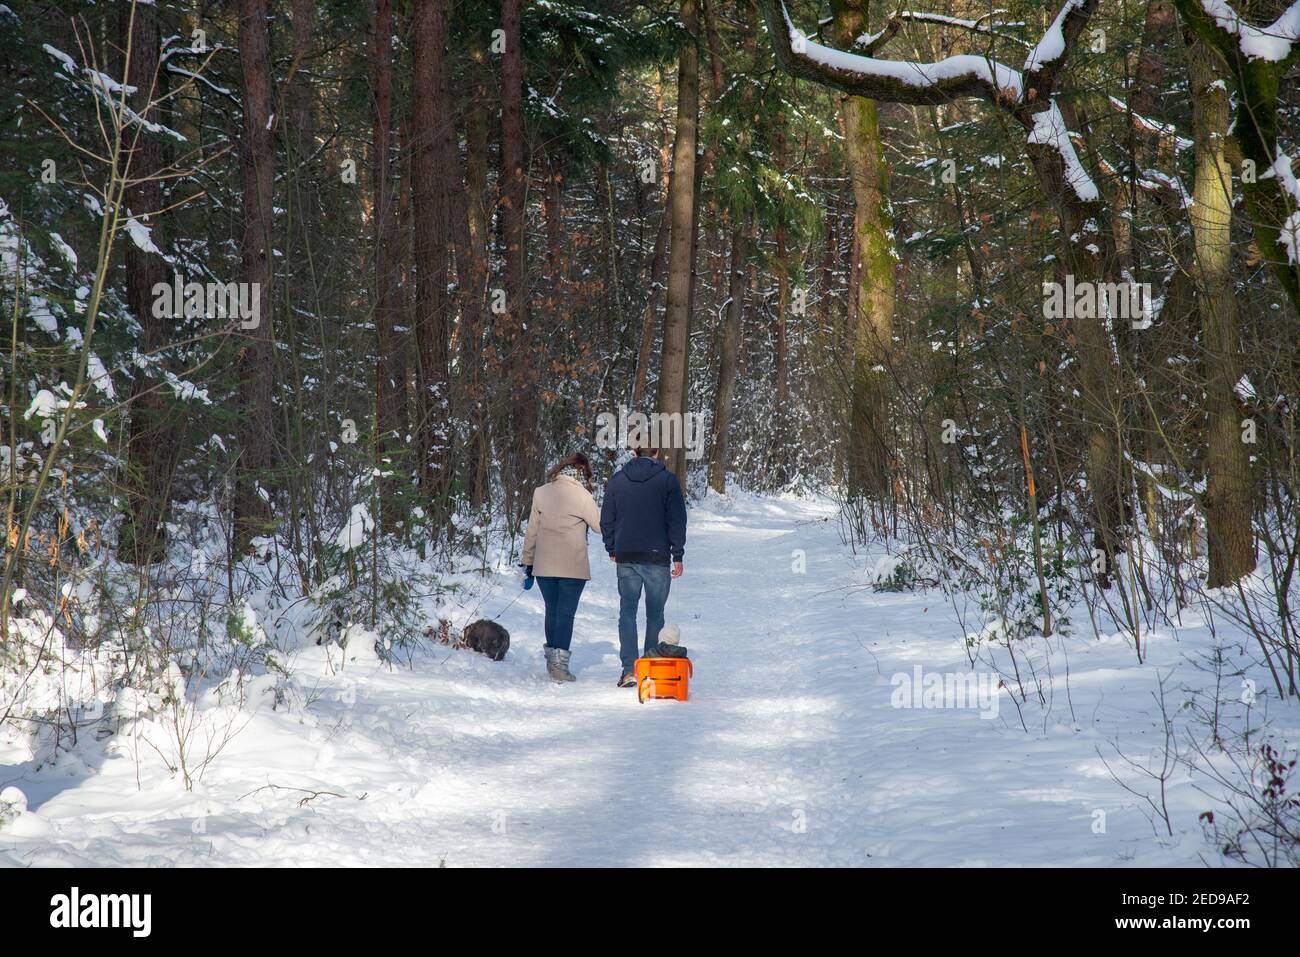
561	596
632	577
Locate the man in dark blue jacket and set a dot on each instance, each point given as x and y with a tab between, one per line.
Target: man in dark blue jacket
643	523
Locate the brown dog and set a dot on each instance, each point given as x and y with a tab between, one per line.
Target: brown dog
485	637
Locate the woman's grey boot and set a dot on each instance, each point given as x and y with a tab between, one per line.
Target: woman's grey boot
557	664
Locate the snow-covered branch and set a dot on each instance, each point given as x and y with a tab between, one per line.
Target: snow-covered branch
868	43
1164	131
1052	46
1027	95
110	92
971	26
1050	130
1289	233
895	81
1273	43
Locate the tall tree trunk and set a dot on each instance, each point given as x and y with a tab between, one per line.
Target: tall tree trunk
470	285
301	93
150	449
674	364
390	372
1228	500
431	215
476	153
477	458
830	255
553	202
658	261
523	440
1130	203
253	512
1134	206
1257	83
872	291
781	445
659	258
732	332
684	402
299	195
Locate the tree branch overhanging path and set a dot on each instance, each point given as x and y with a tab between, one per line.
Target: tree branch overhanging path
1023	93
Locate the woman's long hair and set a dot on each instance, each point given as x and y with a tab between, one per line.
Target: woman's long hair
573	460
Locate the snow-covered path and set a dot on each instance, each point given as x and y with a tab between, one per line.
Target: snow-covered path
788	753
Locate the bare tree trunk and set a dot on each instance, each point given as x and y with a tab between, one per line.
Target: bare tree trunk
1228	499
831	254
659	258
1131	206
781	445
523	440
476	154
732	332
150	452
431	215
1257	82
390	372
674	365
253	514
657	264
472	303
465	453
872	292
301	92
553	201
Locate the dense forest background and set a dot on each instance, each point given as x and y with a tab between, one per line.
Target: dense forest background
470	228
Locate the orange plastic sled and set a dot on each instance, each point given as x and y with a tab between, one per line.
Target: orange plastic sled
663	678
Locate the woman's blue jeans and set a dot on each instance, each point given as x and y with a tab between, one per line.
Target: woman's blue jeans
561	596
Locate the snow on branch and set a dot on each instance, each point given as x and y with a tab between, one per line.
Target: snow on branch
921	84
869	43
110	92
898	81
1155	128
972	26
1050	130
1273	43
1155	181
1289	232
1052	45
101	81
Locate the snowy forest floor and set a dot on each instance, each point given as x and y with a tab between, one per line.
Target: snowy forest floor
789	752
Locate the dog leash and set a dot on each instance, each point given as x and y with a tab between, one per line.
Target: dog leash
507	608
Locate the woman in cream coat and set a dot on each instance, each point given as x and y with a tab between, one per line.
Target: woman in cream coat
555	552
